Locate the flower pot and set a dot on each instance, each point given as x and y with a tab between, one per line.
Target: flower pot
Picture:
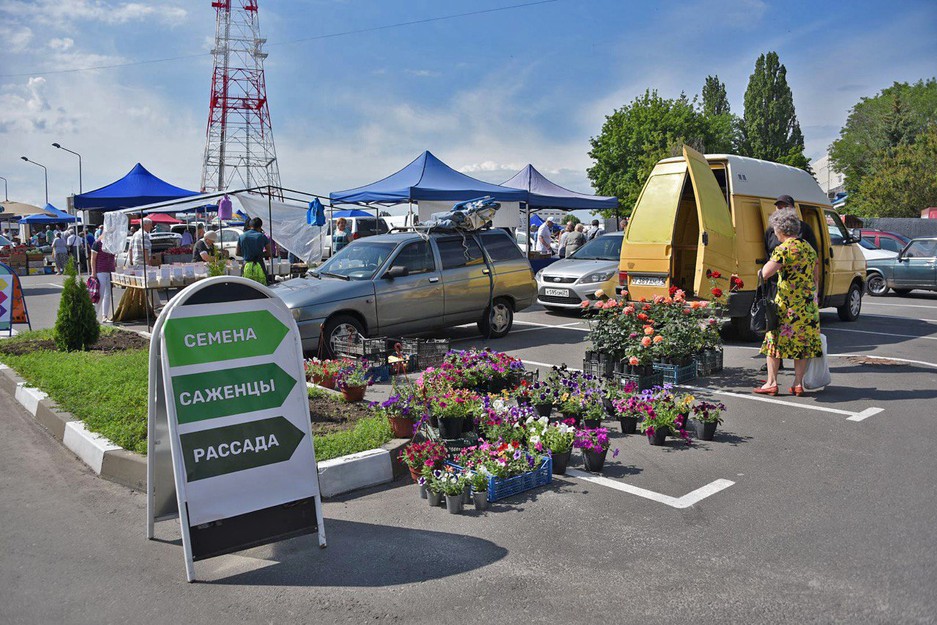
454	503
629	425
594	460
325	381
468	424
354	393
592	423
659	436
705	430
560	461
422	491
402	427
450	428
480	499
414	474
433	498
544	410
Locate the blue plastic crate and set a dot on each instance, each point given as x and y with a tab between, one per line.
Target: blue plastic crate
677	374
499	488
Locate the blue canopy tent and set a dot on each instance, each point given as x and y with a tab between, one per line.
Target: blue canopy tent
137	188
351	213
49	215
426	178
543	193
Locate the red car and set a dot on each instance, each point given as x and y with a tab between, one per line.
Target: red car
884	240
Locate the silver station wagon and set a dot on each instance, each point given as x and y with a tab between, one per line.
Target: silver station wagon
409	283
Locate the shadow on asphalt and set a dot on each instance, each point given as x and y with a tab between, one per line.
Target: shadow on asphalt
37	291
363	555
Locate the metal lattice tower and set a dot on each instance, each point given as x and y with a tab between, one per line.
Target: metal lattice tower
239	150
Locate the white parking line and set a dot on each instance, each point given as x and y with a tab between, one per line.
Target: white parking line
913	362
903	336
851	416
565	326
867	303
674	502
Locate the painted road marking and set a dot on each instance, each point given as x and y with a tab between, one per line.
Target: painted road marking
866	303
852	416
904	336
674	502
913	362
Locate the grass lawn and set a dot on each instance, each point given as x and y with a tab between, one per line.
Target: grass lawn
107	390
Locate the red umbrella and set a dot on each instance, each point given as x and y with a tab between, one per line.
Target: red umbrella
157	218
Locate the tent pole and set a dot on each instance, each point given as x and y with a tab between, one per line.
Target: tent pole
270	225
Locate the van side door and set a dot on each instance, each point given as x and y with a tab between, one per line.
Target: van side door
716	246
414	302
465	278
847	260
814	217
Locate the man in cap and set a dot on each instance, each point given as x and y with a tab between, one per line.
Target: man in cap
806	232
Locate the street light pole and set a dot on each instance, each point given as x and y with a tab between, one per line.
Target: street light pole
59	146
45	173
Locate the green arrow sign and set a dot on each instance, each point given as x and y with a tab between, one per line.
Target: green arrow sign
210	453
212	338
213	394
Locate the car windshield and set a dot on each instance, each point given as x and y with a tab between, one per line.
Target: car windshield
358	261
867	245
600	248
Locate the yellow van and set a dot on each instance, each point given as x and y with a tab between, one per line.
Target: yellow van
698	213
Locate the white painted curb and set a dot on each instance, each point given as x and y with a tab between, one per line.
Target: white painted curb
366	468
29	398
88	446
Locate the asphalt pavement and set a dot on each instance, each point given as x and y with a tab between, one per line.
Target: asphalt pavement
814	509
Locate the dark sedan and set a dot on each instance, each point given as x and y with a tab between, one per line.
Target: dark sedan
915	267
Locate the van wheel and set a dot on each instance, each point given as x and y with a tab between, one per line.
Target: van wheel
850	310
876	284
743	330
337	329
496	321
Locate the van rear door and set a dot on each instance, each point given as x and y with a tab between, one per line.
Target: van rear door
716	249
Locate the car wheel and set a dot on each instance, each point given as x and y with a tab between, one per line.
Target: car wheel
497	320
901	292
338	328
850	310
876	284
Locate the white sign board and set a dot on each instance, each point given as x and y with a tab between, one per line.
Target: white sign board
235	401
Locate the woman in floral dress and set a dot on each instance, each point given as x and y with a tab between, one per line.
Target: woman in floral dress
798	332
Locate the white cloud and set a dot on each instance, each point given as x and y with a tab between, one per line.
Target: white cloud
60	13
63	44
422	73
15	38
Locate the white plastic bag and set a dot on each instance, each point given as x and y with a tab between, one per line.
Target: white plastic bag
818	370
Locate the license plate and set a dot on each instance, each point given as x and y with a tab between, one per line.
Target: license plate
647	281
556	292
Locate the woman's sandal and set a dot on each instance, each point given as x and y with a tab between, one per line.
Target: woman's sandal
797	390
771	390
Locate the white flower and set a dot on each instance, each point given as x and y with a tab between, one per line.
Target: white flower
529	421
498	405
543	420
534	439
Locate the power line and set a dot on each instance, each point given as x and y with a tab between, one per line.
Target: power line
346	33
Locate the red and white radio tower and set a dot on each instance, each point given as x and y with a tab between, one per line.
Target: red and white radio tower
239	150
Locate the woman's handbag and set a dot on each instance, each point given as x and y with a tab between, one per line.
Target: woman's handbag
817	374
764	313
94	289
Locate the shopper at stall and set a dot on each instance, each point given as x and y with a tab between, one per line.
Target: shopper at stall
575	240
342	235
102	264
570	226
545	237
59	253
140	244
205	247
252	247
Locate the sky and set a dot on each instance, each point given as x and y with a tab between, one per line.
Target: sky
487	93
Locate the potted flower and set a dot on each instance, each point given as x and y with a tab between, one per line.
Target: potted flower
667	416
422	482
542	398
434	488
479	482
323	372
421	457
593	412
451	408
571	406
557	438
353	379
706	416
452	485
630	411
402	410
593	442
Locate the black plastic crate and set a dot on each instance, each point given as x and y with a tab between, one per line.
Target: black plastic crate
709	361
428	352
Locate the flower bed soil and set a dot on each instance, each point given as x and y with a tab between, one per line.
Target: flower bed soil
116	341
334	414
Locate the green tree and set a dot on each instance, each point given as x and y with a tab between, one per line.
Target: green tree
904	183
569	217
76	326
769	129
636	136
875	129
723	125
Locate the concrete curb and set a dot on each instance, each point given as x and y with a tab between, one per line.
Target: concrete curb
113	463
